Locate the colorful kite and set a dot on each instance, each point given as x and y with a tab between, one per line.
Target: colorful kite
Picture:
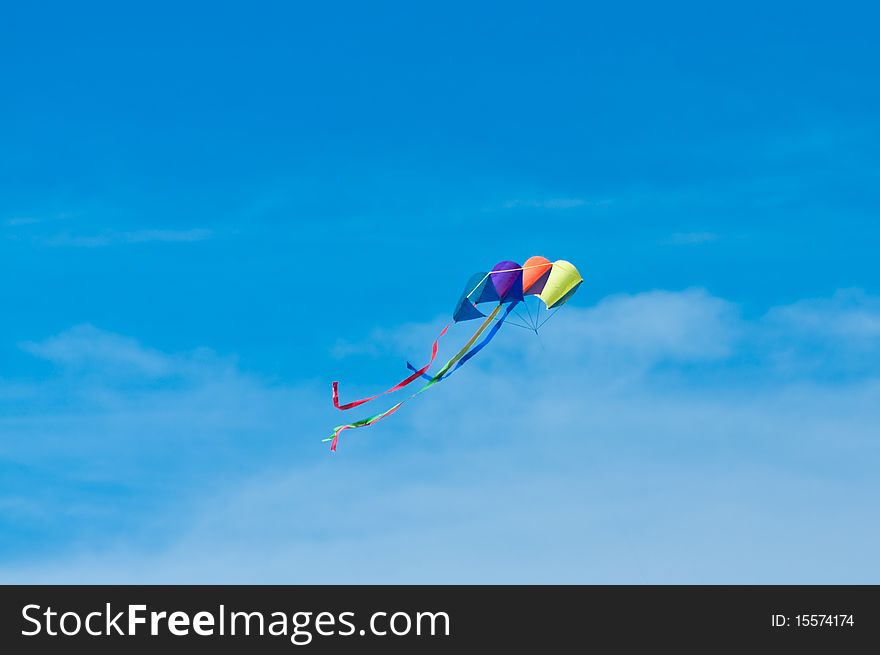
537	286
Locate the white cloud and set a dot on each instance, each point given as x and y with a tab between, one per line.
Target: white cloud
850	314
87	346
646	439
147	422
620	331
686	325
826	337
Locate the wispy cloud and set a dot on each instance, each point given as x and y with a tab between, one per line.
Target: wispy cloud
645	327
85	346
110	238
850	314
101	446
16	221
549	203
691	238
834	336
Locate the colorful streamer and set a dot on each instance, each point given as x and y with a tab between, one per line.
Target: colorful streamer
378	417
396	387
508	283
473	350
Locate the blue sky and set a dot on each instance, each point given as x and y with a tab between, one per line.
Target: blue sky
209	212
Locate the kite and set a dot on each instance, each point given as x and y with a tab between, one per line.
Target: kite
537	286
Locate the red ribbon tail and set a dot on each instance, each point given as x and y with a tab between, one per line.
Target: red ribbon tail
396	387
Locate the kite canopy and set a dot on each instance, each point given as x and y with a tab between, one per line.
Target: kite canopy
552	282
507	279
536	270
509	286
561	284
465	308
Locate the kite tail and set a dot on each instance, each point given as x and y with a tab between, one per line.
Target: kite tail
473	350
396	387
461	353
360	424
378	417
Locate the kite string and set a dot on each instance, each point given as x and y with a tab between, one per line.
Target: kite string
534	323
549	316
